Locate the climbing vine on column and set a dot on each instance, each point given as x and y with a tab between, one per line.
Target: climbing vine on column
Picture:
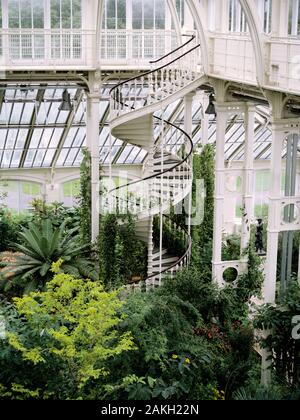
204	169
122	256
85	198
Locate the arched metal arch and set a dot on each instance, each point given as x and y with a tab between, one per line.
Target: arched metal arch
172	7
255	28
197	10
23	178
100	12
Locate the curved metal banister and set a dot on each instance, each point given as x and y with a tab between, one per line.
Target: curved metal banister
172	52
150	72
166	170
116	96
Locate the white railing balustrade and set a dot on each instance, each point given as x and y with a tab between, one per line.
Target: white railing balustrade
174	72
21	47
135	45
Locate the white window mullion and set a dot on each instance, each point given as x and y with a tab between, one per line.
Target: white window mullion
71	32
20	35
129	26
5	25
47	26
116	26
295	17
61	32
238	27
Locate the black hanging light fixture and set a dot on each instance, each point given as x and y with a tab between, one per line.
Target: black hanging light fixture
211	109
66	102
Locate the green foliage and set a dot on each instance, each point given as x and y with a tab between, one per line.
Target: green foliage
260	394
193	342
85	198
3	194
122	256
55	212
62	340
204	168
9	229
173	238
43	245
285	350
231	249
250	284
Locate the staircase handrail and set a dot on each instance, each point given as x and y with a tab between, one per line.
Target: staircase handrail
149	72
176	49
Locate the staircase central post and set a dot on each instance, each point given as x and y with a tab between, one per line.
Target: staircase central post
161	200
188	128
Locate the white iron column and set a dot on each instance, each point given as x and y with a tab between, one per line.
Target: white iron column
188	113
273	222
90	43
92	135
248	175
222	116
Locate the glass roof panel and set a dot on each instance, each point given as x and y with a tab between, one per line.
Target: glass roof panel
48	158
31	118
15	162
16	113
27	113
5	113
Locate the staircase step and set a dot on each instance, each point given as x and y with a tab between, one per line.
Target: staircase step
157	252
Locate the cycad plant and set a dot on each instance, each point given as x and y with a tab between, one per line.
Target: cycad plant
42	245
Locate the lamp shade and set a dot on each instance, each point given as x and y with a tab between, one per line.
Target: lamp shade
211	109
66	102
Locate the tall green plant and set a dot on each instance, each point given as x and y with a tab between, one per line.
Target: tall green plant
85	198
204	168
122	256
42	246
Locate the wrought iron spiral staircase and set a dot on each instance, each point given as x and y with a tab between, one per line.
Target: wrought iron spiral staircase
167	173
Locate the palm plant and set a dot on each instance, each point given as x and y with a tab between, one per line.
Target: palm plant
42	245
260	394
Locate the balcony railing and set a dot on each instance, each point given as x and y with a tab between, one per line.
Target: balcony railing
232	56
43	47
21	47
136	45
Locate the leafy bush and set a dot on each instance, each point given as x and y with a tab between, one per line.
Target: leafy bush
231	249
10	226
44	245
284	349
56	212
59	342
187	332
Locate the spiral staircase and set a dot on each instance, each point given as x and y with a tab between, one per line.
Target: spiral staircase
167	173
